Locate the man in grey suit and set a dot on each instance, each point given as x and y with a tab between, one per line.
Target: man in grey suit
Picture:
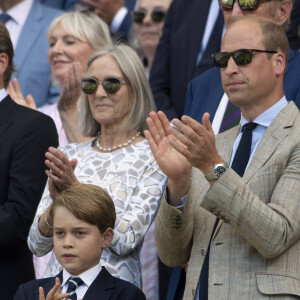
239	229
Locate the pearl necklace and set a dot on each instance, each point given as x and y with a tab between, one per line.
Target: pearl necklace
115	147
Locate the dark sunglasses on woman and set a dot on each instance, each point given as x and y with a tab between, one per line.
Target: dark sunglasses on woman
110	84
241	57
244	4
157	15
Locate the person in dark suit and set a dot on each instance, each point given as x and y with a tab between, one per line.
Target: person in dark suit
81	230
176	59
25	136
205	92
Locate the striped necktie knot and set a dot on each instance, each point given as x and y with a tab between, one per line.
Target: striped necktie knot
73	284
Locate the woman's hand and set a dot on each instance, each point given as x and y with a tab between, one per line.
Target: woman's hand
61	170
15	93
159	135
70	89
54	293
170	161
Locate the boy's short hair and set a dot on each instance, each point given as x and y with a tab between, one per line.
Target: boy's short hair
88	203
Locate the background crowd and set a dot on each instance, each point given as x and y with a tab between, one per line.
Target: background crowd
79	79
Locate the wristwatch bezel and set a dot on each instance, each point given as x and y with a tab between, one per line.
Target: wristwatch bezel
217	171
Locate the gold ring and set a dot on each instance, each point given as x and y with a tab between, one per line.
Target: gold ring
61	172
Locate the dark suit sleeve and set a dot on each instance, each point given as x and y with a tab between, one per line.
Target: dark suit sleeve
132	293
189	99
26	174
160	72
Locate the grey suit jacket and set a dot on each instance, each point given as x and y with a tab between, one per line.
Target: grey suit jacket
255	249
33	69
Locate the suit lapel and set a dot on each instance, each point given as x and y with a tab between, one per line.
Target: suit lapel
29	33
273	136
101	287
224	144
6	109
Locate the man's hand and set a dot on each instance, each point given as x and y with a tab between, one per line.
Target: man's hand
197	142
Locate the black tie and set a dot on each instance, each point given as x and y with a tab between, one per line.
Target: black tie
4	17
73	284
243	151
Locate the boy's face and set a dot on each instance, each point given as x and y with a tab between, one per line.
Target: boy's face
77	244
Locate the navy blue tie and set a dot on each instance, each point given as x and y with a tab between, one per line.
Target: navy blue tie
243	151
4	17
73	284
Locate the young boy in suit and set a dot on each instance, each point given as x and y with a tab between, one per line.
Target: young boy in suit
83	221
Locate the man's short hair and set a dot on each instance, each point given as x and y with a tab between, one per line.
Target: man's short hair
274	36
88	203
7	48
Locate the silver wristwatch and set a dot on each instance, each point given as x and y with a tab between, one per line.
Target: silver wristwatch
217	171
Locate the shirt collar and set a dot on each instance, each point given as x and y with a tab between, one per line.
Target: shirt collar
267	117
87	277
20	11
3	94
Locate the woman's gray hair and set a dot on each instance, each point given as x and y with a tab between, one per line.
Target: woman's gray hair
85	26
139	89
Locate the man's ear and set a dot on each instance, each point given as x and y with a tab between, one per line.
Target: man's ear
283	11
279	63
3	63
107	236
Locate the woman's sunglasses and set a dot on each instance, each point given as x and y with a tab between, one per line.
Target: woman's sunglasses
241	57
157	15
244	4
110	84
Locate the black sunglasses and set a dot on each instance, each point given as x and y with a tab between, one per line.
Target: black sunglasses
241	57
244	4
110	84
157	15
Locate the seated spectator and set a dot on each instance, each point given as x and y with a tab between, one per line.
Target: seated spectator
73	37
118	158
81	230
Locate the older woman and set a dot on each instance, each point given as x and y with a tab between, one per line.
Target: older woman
148	18
113	111
73	37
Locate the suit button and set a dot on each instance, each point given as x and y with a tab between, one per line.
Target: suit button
203	251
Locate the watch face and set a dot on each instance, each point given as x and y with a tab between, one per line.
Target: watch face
219	170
